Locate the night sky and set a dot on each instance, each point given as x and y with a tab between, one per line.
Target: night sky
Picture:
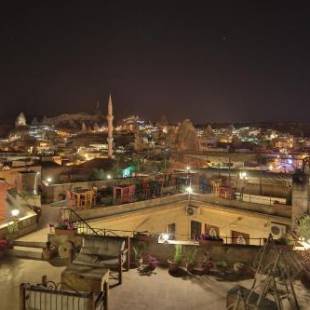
205	60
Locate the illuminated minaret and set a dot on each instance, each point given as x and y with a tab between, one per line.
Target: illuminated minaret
110	127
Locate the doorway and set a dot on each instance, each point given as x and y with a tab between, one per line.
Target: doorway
195	230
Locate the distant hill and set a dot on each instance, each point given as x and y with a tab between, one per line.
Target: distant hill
73	120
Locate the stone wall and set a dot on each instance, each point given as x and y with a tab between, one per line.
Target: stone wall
56	192
130	207
276	210
24	226
155	215
228	253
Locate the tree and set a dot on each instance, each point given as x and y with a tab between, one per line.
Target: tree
98	174
304	227
187	139
84	128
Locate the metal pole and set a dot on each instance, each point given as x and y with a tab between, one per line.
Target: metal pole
22	297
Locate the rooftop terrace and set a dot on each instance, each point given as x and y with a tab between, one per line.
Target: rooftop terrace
157	291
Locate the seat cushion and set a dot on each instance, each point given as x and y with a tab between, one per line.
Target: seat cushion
102	246
96	261
86	259
109	262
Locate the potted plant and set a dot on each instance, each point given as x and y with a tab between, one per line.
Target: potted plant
190	259
4	246
203	265
208	239
283	243
175	262
138	250
142	236
65	228
148	265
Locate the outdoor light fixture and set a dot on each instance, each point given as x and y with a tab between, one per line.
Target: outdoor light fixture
188	168
49	180
15	212
243	175
189	190
109	177
163	238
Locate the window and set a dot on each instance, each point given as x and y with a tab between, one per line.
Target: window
171	231
195	230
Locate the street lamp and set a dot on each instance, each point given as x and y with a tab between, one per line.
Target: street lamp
163	238
243	175
15	212
189	190
109	177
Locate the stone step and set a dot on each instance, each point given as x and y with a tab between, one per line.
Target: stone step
29	244
26	254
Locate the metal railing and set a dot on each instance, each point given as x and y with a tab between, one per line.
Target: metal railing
84	228
246	241
72	217
53	297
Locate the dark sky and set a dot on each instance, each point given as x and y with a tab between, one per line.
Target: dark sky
206	60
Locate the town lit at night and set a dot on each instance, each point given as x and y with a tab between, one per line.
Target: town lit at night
155	155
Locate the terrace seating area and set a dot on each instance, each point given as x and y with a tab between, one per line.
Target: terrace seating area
105	253
137	292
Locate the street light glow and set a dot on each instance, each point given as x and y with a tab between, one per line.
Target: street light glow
163	238
243	175
15	212
189	190
109	177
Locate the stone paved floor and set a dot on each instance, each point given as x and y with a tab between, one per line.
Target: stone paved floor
158	291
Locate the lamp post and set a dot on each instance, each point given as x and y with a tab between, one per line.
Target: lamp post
189	191
188	168
242	176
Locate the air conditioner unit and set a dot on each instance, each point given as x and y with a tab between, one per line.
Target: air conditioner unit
191	210
277	230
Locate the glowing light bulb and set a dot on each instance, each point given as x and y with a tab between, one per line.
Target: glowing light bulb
15	212
189	189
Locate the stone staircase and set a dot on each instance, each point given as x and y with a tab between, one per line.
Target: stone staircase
28	249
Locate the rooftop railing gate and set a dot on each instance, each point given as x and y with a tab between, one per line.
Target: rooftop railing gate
83	228
51	297
247	241
77	221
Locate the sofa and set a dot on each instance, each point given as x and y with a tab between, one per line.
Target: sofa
98	251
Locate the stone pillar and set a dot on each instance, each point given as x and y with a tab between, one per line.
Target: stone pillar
110	128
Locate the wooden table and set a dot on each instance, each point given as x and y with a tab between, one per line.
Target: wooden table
87	279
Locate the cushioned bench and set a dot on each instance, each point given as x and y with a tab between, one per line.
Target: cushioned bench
98	251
